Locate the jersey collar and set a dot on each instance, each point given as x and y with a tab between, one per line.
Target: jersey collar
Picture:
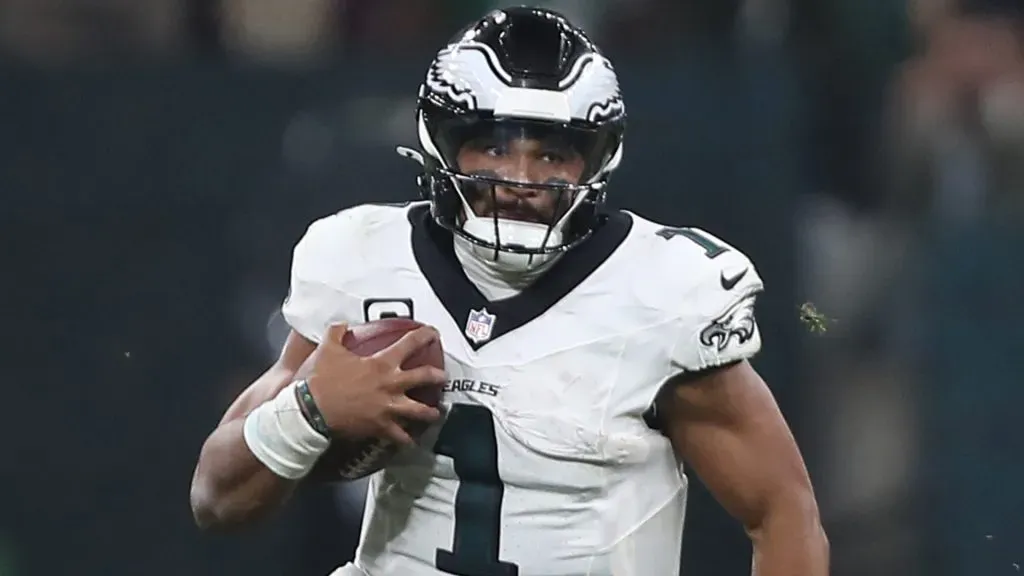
435	255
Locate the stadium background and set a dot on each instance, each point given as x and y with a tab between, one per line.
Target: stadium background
159	159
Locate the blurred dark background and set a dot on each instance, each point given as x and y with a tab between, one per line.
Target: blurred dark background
159	159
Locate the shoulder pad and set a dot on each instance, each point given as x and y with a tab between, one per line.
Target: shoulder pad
332	249
712	288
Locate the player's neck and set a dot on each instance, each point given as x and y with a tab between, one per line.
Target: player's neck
492	282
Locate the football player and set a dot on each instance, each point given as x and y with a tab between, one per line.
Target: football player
589	352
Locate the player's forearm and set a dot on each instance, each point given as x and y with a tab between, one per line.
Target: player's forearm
230	486
790	542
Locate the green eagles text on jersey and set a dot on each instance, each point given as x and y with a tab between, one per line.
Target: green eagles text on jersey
544	464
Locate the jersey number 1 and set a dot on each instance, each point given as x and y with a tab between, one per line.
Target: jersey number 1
711	248
467	437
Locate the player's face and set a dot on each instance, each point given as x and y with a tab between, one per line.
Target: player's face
520	158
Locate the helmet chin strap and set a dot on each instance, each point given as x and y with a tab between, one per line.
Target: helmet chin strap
501	231
497	279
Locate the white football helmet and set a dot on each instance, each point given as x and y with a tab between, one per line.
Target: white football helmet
519	73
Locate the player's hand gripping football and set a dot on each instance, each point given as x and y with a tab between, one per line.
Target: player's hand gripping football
362	397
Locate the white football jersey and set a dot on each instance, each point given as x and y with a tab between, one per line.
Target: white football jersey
544	464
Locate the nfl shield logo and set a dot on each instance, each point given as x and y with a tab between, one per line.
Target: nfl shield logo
479	325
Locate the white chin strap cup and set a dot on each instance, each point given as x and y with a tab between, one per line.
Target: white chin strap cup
530	235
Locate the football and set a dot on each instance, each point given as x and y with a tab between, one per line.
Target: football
347	460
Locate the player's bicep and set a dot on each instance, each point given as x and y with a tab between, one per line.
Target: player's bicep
727	426
297	348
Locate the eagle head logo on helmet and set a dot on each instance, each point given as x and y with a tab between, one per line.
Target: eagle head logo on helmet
531	72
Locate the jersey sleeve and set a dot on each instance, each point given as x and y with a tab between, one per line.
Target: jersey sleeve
315	298
716	310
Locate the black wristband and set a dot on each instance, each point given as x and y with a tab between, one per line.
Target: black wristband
310	412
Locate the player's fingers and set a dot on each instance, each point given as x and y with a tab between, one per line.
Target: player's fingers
336	332
398	434
408	344
412	410
421	376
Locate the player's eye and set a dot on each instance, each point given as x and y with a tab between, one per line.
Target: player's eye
553	157
494	150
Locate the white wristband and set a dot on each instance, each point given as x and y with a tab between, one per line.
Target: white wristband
279	436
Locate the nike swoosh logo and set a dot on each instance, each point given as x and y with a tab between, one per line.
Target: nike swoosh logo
730	283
